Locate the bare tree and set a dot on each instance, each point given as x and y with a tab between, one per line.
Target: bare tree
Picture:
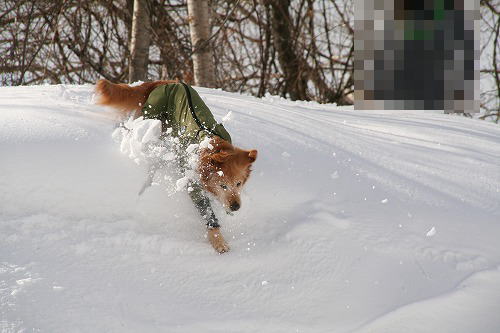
171	51
140	41
301	49
490	60
199	25
285	42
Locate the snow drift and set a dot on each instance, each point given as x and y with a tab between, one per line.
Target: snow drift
373	221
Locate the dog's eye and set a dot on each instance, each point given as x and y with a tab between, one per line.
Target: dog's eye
224	187
238	184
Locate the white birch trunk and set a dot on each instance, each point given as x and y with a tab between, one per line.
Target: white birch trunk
199	26
139	43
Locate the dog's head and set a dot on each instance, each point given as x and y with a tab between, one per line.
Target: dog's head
224	170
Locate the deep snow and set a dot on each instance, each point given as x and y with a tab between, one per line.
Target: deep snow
369	221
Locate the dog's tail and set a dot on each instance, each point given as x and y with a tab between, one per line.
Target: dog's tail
124	97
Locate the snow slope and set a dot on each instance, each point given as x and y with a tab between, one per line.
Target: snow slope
373	221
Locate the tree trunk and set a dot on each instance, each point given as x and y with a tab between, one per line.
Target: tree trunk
139	43
295	82
128	18
199	26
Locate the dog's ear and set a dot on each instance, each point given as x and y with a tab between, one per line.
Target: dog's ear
219	157
252	155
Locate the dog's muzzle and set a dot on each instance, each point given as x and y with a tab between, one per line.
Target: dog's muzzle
234	206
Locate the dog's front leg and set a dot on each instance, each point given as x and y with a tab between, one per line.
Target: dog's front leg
202	203
217	241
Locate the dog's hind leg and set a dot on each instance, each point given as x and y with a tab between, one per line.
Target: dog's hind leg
149	180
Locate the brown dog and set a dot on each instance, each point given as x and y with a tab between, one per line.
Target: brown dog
223	168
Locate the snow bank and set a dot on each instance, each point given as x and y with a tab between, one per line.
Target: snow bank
381	221
471	307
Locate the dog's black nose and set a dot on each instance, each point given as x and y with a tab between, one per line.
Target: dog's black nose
234	206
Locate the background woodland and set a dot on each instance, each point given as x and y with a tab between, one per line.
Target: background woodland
298	49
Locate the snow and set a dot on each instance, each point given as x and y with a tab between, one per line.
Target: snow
479	293
136	136
227	117
181	183
313	247
136	83
431	232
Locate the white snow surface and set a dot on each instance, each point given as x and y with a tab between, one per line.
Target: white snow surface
332	236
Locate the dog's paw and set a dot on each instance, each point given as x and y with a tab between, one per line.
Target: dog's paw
217	241
221	247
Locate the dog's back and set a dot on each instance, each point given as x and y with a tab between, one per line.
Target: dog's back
123	97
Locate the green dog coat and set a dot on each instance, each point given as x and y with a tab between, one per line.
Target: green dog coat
170	103
179	107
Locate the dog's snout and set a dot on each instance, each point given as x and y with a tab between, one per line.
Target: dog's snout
234	206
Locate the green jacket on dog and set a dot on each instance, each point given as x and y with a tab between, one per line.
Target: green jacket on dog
170	104
179	107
